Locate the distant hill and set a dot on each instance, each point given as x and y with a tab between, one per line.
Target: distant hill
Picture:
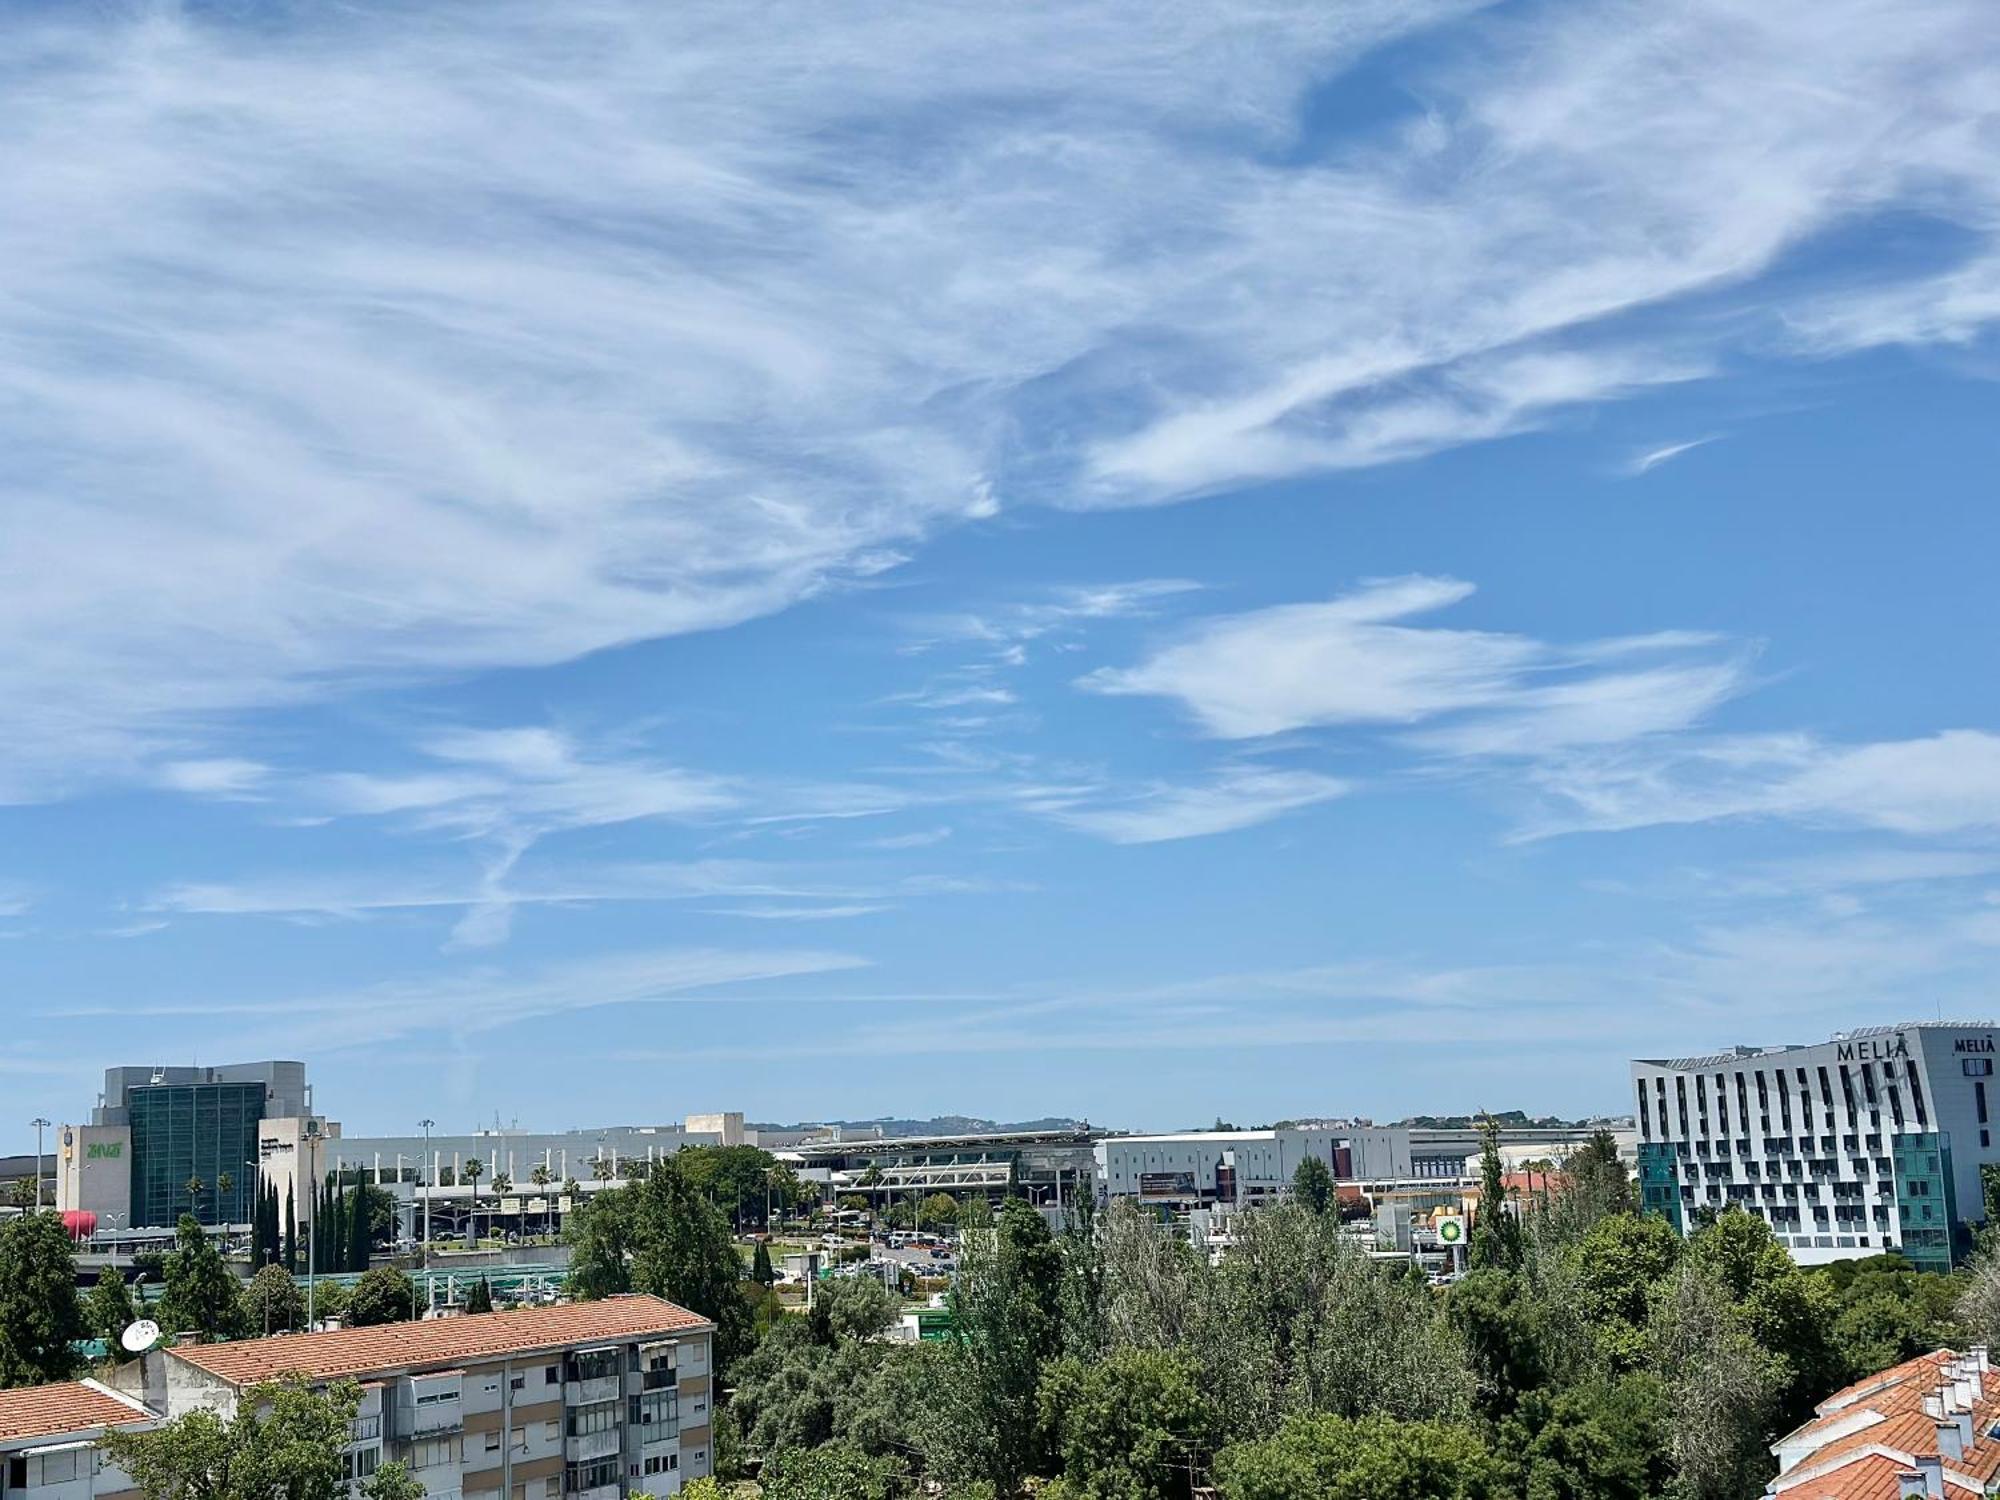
936	1125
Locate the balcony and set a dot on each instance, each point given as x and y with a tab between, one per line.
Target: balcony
436	1418
582	1447
589	1392
364	1430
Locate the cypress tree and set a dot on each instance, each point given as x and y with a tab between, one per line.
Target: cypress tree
359	1239
291	1232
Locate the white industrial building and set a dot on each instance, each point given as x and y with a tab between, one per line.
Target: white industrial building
1204	1168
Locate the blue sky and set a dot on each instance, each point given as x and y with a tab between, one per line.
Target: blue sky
1138	561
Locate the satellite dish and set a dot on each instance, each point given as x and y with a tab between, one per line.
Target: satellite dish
140	1336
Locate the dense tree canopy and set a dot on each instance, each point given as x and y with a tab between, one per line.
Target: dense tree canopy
202	1295
663	1236
41	1317
283	1443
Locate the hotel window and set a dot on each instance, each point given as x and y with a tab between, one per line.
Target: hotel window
1979	1098
1977	1067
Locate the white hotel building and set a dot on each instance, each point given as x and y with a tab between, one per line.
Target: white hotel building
1871	1141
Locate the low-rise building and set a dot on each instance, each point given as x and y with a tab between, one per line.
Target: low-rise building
1205	1168
580	1401
49	1436
1921	1430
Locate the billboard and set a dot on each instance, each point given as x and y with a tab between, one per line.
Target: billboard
1166	1185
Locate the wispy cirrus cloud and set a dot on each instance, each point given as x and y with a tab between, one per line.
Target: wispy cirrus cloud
725	311
1938	785
1359	660
1158	812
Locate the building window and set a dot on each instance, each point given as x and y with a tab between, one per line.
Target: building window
585	1420
428	1453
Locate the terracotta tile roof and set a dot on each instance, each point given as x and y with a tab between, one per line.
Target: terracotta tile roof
1886	1428
439	1342
71	1406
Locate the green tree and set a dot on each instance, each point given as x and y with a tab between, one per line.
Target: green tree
1614	1269
383	1295
836	1471
360	1234
811	1381
1604	1440
1887	1311
1369	1458
761	1270
272	1302
1498	1315
480	1298
394	1481
1312	1185
1131	1426
40	1316
939	1211
201	1296
1598	1174
108	1311
1006	1323
283	1443
1721	1388
1785	1310
1496	1234
662	1236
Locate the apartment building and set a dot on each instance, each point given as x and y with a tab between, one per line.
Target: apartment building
1927	1429
48	1442
1868	1142
582	1401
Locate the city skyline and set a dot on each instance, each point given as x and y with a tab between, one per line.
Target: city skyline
1127	563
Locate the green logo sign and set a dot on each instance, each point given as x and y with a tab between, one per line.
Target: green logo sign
1450	1231
105	1150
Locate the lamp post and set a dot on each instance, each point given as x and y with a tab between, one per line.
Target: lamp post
40	1125
425	1177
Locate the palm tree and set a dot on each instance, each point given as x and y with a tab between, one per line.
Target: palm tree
225	1192
195	1188
600	1168
470	1172
541	1177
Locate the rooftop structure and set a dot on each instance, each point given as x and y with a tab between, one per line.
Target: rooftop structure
584	1401
48	1441
1929	1427
441	1342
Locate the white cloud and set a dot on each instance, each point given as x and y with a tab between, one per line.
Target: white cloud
213	777
1351	661
336	355
1947	783
1645	461
1156	813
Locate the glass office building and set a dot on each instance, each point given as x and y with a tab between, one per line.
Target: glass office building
188	1132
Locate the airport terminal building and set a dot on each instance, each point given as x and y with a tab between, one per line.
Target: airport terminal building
1871	1141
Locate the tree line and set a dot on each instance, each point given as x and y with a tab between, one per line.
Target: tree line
1589	1353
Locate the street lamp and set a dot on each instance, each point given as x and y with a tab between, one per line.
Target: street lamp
40	1125
426	1176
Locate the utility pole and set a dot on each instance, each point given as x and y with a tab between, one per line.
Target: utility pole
424	1180
40	1125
